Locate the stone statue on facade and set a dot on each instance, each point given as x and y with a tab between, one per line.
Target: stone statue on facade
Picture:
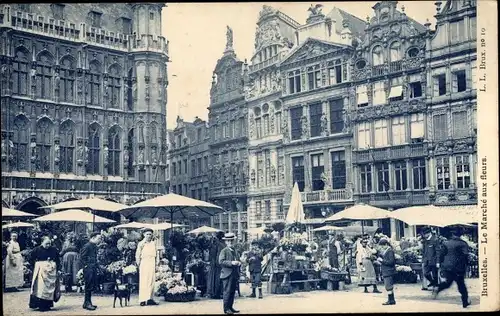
315	10
273	173
229	38
250	90
4	149
87	155
275	81
154	156
347	121
251	125
140	156
80	153
126	157
105	151
33	151
324	125
305	127
325	180
57	152
252	176
284	127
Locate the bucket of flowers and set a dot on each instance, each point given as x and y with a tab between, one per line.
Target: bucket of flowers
172	288
129	272
114	270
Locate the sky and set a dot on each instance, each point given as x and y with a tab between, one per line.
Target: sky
197	35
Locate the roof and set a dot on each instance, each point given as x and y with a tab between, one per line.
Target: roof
356	24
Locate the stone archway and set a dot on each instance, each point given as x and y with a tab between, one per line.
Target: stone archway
31	205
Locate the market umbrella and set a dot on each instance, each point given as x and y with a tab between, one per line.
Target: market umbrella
204	230
92	204
296	210
171	205
8	213
132	225
164	226
17	225
360	212
327	228
73	215
431	215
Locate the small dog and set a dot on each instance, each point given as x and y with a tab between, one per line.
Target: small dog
122	291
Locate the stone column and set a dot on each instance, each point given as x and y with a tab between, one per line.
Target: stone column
374	178
409	175
393	225
472	173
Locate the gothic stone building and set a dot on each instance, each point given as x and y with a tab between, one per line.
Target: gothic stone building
228	166
83	101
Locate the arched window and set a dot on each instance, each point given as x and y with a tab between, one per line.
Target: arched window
20	143
378	56
44	76
93	79
395	51
20	73
94	146
44	143
67	146
130	96
67	80
114	151
114	86
130	142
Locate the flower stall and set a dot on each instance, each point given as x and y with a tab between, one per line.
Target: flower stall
171	286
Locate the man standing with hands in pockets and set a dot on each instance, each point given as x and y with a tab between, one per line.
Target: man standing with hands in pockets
228	260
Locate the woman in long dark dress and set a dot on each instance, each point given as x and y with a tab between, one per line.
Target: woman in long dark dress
70	262
214	288
45	259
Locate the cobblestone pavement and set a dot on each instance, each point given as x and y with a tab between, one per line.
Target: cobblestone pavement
409	297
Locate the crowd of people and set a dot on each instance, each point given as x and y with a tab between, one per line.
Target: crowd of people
443	262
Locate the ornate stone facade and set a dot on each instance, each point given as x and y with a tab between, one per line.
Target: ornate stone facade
83	107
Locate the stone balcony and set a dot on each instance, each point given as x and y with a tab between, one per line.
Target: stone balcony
323	196
406	151
388	68
149	43
265	63
225	191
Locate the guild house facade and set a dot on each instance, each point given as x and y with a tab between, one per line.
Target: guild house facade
83	101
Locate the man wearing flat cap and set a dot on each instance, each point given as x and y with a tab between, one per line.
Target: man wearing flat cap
230	273
430	255
145	257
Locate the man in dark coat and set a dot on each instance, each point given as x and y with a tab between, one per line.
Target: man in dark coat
88	261
228	259
214	283
453	262
254	260
387	268
430	255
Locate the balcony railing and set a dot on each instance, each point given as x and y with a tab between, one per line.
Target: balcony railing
265	63
394	152
336	195
387	68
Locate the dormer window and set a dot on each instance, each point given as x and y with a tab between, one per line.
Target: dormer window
95	18
57	11
378	56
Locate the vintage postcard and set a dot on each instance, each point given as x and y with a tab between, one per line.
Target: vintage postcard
249	158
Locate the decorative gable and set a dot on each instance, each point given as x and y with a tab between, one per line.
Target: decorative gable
311	48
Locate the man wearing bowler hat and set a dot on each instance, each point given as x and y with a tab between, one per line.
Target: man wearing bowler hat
230	273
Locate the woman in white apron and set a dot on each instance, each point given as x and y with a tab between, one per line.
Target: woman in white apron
14	265
145	257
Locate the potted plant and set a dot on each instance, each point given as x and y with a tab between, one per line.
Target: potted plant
173	289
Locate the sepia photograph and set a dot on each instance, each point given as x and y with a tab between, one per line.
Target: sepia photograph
249	158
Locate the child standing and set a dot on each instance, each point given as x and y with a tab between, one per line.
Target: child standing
254	260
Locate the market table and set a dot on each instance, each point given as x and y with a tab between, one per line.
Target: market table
333	279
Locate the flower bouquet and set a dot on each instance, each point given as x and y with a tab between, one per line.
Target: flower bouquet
131	269
116	267
173	289
405	274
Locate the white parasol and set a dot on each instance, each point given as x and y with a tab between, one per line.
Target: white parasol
204	230
164	226
12	213
360	212
132	225
73	215
439	216
17	225
327	228
296	210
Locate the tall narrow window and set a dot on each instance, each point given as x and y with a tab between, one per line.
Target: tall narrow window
314	77
267	159
398	130
258	127
20	73
130	142
67	80
315	112
294	82
93	89
383	177
114	87
94	146
338	170
44	144
20	141
44	76
381	133
439	82
298	172
366	178
200	166
459	81
67	147
364	135
473	27
379	95
473	72
378	56
463	175
460	126
260	169
336	116
400	175
114	152
296	122
362	95
417	125
419	174
277	119
130	96
395	51
443	173
317	168
457	31
440	127
265	119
